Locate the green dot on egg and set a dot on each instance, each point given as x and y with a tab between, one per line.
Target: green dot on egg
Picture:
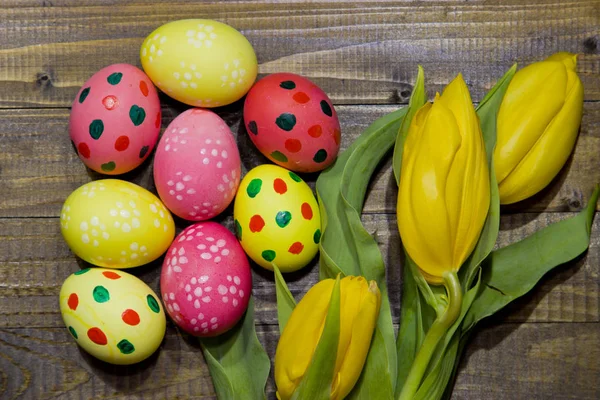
137	115
279	156
238	230
152	303
84	93
81	272
115	78
254	187
295	177
317	236
268	255
109	166
126	346
100	294
73	332
287	85
283	218
96	129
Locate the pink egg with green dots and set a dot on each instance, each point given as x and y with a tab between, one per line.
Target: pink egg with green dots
197	165
115	119
292	122
205	280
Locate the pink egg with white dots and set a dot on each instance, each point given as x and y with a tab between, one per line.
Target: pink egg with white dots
197	165
205	281
115	119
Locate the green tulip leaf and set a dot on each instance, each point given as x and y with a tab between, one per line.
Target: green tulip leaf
512	271
316	383
417	99
285	301
341	190
237	361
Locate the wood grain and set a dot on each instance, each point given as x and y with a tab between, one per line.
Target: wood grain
358	52
35	260
503	362
39	168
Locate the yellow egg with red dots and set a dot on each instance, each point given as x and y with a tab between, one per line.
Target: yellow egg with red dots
277	219
116	224
112	315
200	62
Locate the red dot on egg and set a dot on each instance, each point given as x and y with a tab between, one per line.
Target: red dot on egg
293	145
110	102
337	136
256	223
301	97
315	131
307	211
84	150
144	88
111	275
279	186
97	336
157	122
73	301
296	248
130	317
122	143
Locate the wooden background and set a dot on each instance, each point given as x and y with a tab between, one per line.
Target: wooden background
364	55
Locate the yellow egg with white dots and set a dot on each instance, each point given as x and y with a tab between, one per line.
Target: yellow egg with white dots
116	224
277	219
200	62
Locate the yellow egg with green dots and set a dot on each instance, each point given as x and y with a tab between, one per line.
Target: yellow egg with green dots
277	219
112	315
200	62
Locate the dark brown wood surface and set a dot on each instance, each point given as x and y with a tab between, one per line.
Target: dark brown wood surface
364	55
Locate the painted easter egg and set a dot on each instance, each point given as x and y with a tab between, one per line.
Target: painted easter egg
112	315
277	218
200	62
292	122
205	280
197	165
115	119
116	224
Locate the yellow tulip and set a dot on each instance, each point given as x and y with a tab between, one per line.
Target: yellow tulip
444	191
359	308
537	126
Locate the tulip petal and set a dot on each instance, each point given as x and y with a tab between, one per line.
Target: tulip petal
300	336
535	95
545	159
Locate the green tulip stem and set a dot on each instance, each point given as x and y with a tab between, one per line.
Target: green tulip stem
437	331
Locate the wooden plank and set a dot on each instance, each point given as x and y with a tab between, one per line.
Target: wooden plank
509	361
541	361
39	168
358	52
34	261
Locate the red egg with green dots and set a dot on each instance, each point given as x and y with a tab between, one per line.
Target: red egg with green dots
115	119
292	122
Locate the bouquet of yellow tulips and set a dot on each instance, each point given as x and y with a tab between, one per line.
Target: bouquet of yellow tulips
454	165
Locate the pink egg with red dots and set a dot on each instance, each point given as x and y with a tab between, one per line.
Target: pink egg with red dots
205	281
197	165
115	119
292	122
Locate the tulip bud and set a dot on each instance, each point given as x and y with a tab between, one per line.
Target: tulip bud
537	126
359	309
444	190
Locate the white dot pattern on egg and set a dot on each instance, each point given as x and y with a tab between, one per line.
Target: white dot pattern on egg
197	165
212	64
206	280
116	224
